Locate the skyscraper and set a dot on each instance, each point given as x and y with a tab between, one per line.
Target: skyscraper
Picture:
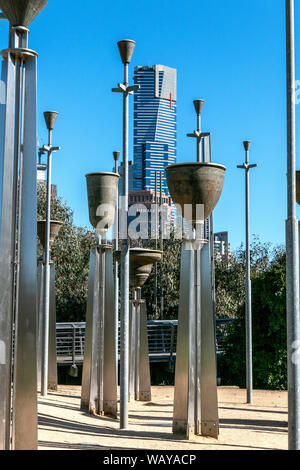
154	124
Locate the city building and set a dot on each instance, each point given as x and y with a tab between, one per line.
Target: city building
41	172
222	245
154	133
41	176
147	199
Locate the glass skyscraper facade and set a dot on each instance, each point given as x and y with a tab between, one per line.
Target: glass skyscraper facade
154	131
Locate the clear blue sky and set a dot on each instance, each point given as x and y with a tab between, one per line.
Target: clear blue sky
231	54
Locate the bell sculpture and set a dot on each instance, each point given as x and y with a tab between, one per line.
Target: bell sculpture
18	270
195	399
99	379
55	227
140	264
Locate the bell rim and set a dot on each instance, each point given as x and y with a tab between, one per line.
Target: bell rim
102	173
196	164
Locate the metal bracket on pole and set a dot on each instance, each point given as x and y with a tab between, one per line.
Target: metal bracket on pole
47	149
128	90
198	104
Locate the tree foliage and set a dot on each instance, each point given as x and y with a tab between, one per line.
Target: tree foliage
168	276
268	325
70	253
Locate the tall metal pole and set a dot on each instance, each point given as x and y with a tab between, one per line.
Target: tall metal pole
50	119
126	48
161	247
292	250
156	225
116	276
249	372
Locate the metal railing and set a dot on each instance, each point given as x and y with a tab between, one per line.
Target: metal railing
162	338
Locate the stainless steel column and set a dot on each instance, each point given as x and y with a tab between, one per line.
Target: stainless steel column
156	229
110	399
143	389
52	358
116	269
161	247
292	255
99	385
126	48
26	368
89	389
208	380
18	232
100	349
50	119
7	245
248	303
139	367
101	337
184	393
40	311
124	316
132	346
195	398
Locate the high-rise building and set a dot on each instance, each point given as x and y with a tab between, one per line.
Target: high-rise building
41	170
222	245
154	131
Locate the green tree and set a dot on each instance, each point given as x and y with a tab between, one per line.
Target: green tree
169	271
230	275
70	252
269	327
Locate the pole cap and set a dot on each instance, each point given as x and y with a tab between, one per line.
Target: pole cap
126	48
50	119
116	156
247	145
198	106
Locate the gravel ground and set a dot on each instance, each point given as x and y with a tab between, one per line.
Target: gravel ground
261	425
